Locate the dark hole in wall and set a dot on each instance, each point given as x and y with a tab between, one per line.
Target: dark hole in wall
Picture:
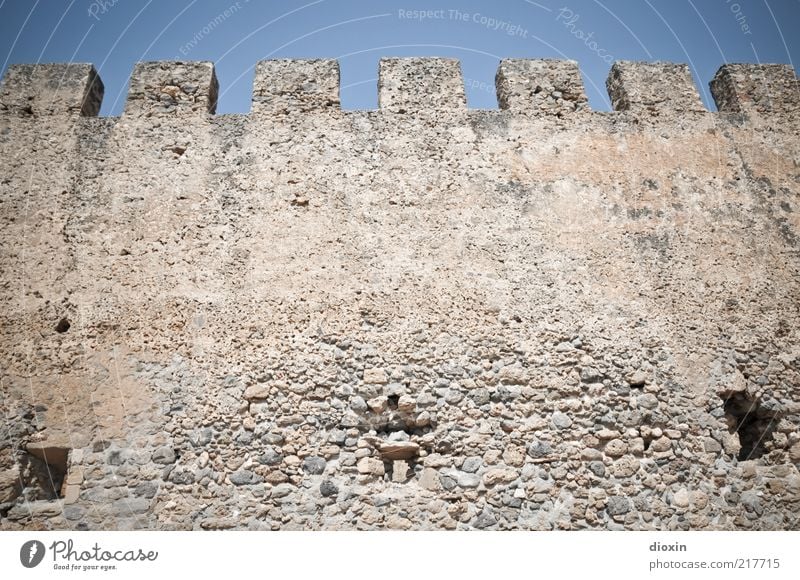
63	325
754	424
44	470
388	429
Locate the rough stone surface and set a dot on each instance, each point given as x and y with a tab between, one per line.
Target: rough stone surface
652	88
371	466
244	477
314	465
399	450
163	455
418	317
546	86
327	488
617	505
743	88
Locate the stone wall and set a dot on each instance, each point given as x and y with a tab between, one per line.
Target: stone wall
417	317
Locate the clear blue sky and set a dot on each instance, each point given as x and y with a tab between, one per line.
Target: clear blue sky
113	34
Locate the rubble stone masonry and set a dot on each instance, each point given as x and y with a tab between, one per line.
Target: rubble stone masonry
417	317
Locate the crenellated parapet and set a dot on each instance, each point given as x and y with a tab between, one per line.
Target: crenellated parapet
544	87
756	88
172	88
51	89
652	88
531	87
544	315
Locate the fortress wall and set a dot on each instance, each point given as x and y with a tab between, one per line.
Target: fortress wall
418	317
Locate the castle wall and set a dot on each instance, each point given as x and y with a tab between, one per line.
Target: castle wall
418	317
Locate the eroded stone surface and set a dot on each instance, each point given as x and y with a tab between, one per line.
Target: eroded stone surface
549	317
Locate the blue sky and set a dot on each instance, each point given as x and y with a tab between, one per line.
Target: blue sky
114	34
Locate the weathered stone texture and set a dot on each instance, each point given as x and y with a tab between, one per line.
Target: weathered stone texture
418	317
172	88
45	89
760	88
540	86
654	88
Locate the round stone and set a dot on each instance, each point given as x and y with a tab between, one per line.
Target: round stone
561	420
328	489
314	465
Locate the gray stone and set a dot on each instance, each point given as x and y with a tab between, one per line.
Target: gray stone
18	512
538	449
337	437
485	520
41	508
617	505
468	480
131	505
597	468
504	394
164	456
647	401
453	397
751	502
358	404
282	490
448	481
74	512
480	396
245	477
426	400
541	485
181	477
314	465
201	437
270	457
117	457
395	390
472	464
146	489
272	439
328	489
561	420
590	375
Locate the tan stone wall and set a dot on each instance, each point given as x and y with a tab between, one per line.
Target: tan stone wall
418	317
